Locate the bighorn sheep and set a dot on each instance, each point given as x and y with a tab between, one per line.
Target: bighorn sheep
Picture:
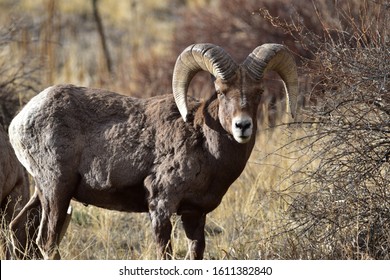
14	186
138	155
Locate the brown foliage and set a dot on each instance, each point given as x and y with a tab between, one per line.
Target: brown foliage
343	211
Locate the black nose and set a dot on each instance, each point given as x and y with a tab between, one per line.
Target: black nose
243	125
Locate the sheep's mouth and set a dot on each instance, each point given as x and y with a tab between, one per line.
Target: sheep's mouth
242	139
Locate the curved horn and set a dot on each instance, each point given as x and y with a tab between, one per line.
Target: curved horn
275	57
195	58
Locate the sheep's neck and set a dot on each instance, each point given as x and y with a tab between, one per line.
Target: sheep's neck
227	158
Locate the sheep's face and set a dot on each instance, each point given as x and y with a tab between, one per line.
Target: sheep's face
238	98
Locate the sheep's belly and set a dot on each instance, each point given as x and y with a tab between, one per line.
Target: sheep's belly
128	199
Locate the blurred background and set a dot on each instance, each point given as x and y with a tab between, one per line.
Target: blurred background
128	46
314	188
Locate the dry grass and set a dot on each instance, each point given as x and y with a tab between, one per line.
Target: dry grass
276	209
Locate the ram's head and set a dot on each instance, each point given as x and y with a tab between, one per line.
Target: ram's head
239	86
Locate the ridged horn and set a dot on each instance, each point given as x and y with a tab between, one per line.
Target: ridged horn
195	58
275	57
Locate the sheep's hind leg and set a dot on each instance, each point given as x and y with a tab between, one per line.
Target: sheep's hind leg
54	216
27	217
193	224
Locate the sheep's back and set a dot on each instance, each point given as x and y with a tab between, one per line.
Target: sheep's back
61	124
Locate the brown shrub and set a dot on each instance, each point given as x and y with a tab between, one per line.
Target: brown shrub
343	210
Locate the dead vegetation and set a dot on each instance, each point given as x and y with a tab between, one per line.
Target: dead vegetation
320	192
342	209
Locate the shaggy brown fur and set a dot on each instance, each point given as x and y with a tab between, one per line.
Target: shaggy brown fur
125	154
14	190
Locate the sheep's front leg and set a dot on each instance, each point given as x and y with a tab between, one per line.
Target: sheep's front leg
193	224
162	228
